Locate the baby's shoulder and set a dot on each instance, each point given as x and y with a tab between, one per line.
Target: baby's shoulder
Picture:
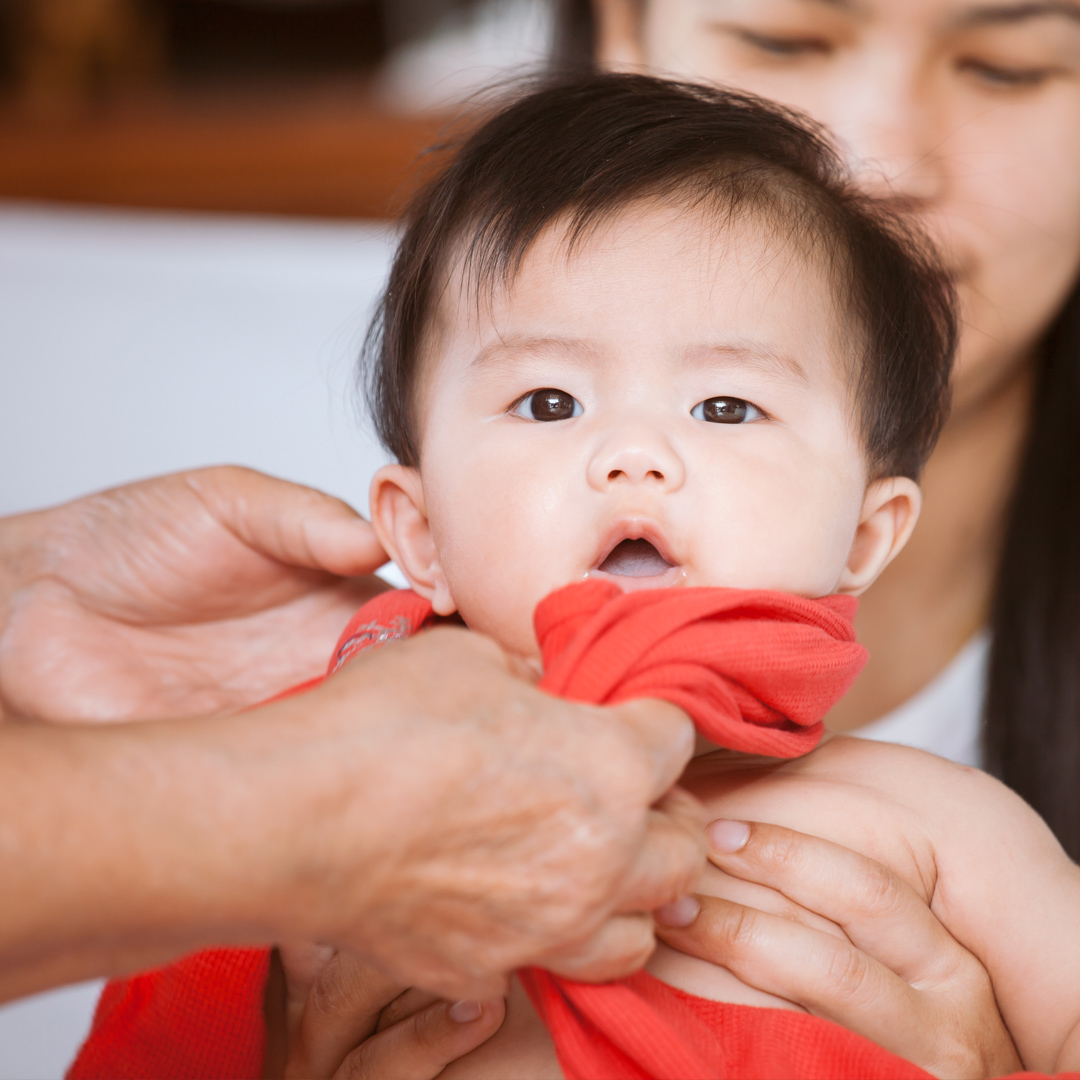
942	793
846	769
895	804
847	759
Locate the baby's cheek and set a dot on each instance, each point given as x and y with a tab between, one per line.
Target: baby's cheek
495	583
791	531
808	556
504	544
501	611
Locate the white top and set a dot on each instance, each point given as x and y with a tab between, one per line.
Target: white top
945	716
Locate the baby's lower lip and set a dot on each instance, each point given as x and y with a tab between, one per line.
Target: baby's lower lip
636	563
673	575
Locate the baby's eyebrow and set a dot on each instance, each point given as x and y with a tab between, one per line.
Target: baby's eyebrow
750	354
754	355
511	348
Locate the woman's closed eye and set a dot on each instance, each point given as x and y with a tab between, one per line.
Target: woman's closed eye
783	46
547	404
726	410
1002	77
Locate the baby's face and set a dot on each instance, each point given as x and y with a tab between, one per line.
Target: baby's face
667	406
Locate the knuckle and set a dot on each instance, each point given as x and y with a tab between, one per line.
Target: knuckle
429	1031
325	997
976	977
774	846
950	965
342	990
969	980
877	890
361	1064
848	972
734	928
402	1007
683	824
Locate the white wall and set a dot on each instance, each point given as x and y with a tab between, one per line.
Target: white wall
133	344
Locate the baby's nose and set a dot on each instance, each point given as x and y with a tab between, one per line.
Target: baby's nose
642	456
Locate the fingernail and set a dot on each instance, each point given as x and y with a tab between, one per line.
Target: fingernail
679	914
728	836
465	1012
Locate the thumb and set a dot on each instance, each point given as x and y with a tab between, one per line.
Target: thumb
664	733
290	523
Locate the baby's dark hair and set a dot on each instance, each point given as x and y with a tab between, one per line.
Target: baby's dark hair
578	151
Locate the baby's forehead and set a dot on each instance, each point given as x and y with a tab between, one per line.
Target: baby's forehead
658	276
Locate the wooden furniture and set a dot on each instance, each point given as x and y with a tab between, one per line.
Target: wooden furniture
102	110
327	152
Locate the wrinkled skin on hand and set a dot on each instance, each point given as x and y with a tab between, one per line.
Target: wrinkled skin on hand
426	807
328	1014
194	593
506	827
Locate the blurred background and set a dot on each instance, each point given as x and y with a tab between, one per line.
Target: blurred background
270	106
195	198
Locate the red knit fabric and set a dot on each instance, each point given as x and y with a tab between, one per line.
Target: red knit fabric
199	1017
642	1029
755	670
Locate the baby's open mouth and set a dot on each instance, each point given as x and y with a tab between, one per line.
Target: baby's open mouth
636	559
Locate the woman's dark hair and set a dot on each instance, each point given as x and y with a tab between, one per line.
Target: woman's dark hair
574	48
1032	733
578	150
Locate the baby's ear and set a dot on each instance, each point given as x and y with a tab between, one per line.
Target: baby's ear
401	524
889	512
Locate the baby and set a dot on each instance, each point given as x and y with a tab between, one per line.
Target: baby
643	333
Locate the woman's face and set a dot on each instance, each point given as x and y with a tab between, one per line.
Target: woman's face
968	111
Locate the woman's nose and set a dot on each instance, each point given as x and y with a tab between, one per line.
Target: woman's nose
638	456
892	134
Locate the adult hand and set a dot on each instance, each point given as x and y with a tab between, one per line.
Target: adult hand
896	976
503	827
199	592
425	807
331	1015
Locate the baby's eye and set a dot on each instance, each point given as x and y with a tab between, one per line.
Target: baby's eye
726	410
548	404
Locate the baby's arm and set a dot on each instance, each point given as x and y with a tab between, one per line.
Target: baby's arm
1007	891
